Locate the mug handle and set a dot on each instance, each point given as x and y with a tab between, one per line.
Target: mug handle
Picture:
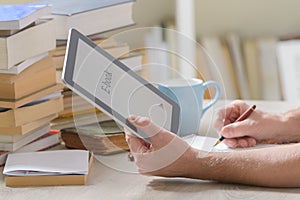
216	97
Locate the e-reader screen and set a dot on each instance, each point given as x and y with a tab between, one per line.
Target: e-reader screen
113	87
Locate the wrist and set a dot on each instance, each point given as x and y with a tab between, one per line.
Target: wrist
201	165
291	125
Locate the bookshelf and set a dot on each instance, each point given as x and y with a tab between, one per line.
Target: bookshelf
247	19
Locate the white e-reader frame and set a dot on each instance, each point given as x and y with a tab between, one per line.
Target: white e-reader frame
113	87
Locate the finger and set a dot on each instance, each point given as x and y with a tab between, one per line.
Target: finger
230	113
231	143
242	142
154	132
238	129
246	142
136	144
251	141
221	119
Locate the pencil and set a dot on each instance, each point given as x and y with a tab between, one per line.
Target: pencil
244	116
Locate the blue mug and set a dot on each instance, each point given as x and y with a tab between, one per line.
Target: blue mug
189	94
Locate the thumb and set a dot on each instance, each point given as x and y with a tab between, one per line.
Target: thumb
237	129
154	132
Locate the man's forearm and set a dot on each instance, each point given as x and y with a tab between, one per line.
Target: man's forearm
274	167
292	119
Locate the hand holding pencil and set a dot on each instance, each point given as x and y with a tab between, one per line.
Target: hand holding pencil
242	117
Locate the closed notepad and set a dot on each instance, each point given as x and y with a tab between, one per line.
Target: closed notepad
60	167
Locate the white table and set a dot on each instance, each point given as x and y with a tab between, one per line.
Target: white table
107	183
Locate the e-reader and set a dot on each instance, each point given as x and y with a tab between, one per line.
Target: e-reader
114	88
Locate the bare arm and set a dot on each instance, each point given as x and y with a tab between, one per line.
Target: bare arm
272	167
170	156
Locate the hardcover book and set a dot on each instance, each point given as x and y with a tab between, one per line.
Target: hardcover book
100	138
78	13
18	16
29	113
25	44
18	86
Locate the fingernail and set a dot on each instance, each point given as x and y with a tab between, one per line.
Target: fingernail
132	118
230	143
140	120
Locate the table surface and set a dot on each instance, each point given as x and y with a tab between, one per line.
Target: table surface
114	177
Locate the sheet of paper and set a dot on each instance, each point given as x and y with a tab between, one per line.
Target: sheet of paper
57	162
207	144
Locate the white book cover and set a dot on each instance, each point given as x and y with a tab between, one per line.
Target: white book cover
17	141
71	7
288	53
56	162
25	44
17	69
234	43
269	73
86	16
18	16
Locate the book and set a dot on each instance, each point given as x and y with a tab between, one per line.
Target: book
74	105
26	128
79	119
18	16
103	138
12	47
79	14
220	69
30	112
18	86
16	1
44	142
235	47
269	72
17	69
288	60
120	51
252	65
60	49
48	168
4	103
133	61
14	142
36	67
7	32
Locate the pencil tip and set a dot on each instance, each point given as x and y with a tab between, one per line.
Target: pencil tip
217	143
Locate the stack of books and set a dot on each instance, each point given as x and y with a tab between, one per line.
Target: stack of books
30	97
91	18
102	138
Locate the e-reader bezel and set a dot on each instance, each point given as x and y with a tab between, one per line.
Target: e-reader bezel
68	73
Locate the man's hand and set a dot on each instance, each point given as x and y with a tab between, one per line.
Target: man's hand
167	155
260	127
